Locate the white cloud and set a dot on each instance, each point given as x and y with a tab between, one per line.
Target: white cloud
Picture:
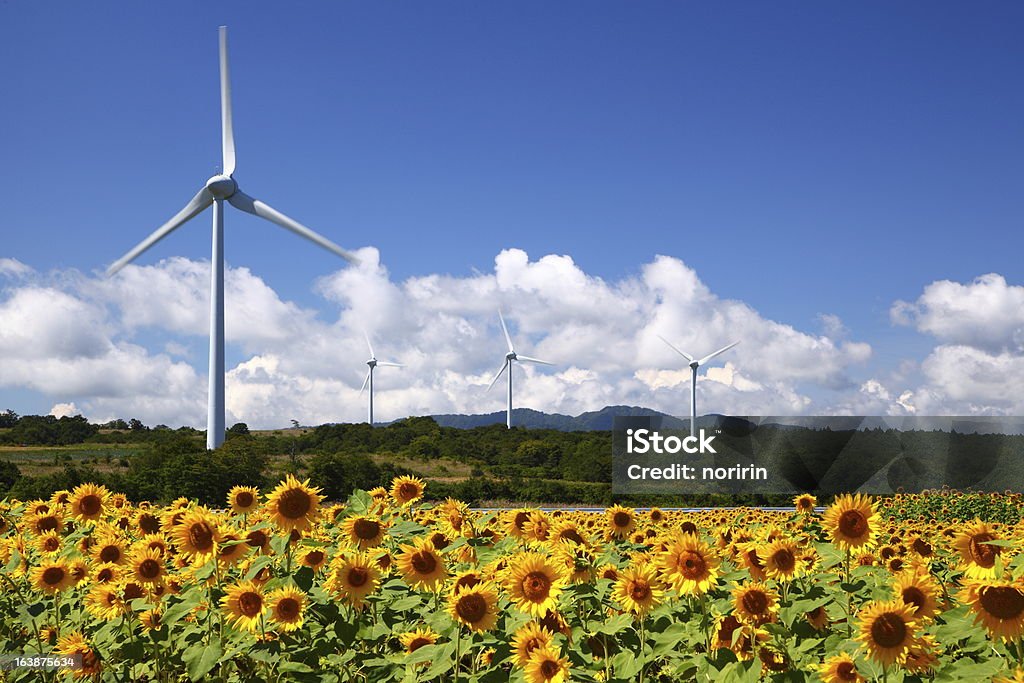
65	410
118	347
14	269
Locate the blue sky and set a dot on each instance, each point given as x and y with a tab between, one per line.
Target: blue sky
802	158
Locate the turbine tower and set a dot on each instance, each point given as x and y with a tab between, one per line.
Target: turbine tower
694	364
510	358
368	382
217	189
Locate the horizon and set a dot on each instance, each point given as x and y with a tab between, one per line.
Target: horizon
751	173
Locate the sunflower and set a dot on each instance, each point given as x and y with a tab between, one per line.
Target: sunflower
147	523
363	531
580	562
887	630
976	553
353	577
467	579
406	490
155	542
689	564
922	658
294	505
244	605
152	619
414	640
780	560
621	521
534	583
314	558
196	535
52	576
805	503
537	527
48	543
998	605
840	669
918	588
147	567
527	639
1018	677
475	607
87	502
42	522
104	602
74	644
608	571
545	666
755	603
850	522
286	605
515	524
817	618
421	565
638	589
79	569
568	531
748	558
243	499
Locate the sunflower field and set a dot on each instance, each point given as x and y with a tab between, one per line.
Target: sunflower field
285	587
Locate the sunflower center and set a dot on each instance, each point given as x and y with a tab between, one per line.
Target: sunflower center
244	499
853	524
366	529
982	553
640	591
656	516
424	562
1002	602
250	603
148	524
408	491
48	523
133	591
571	535
846	671
200	536
149	568
467	581
755	602
621	519
922	548
784	560
691	565
471	608
754	560
417	643
549	668
287	609
90	504
51	545
110	553
104	575
357	576
256	539
536	586
314	557
520	519
52	576
726	629
888	630
294	504
688	528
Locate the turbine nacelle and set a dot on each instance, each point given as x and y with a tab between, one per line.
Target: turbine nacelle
510	356
372	362
221	186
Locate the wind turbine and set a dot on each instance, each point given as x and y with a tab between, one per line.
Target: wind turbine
217	189
510	358
372	363
694	364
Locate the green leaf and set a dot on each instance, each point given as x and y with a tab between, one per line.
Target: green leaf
443	661
200	659
626	665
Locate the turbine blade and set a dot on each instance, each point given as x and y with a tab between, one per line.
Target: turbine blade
244	202
202	200
365	381
520	356
227	129
390	365
368	344
504	329
708	357
497	376
681	353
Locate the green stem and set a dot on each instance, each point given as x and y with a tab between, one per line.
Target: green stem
458	633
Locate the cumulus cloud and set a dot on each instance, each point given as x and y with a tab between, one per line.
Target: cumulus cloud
64	410
118	347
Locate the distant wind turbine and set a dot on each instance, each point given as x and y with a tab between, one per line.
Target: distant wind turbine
368	382
217	189
694	364
510	358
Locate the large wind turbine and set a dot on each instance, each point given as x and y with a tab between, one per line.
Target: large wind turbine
217	189
372	363
694	364
510	358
